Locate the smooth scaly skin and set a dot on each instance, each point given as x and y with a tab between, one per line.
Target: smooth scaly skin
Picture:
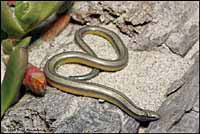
14	75
78	87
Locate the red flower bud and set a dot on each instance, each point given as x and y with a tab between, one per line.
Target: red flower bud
11	3
35	80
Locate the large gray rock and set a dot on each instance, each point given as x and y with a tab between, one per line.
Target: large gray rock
148	23
64	113
179	113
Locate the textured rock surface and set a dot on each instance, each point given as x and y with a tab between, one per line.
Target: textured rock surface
180	110
160	30
61	112
149	23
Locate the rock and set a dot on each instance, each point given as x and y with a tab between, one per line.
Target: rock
131	15
188	124
178	112
148	23
196	105
145	26
175	23
61	113
184	40
175	86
